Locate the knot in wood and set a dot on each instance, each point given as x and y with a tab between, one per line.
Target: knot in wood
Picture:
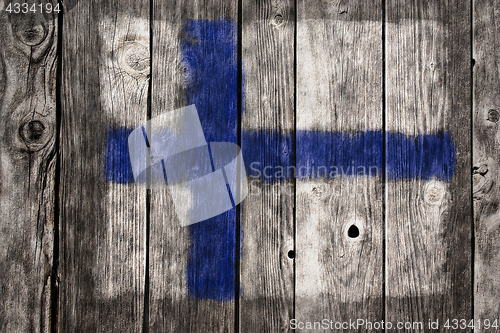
482	169
35	133
477	180
434	192
317	191
277	20
135	59
493	115
32	131
31	35
481	185
185	72
353	231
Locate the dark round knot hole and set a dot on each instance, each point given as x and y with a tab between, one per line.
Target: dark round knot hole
32	131
278	19
291	254
353	231
493	116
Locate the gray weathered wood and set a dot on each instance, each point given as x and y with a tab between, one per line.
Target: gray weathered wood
267	220
103	223
171	309
339	89
28	131
428	223
486	156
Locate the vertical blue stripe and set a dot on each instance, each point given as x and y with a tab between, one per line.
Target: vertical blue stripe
117	167
209	52
210	268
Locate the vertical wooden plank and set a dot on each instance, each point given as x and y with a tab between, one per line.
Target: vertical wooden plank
104	88
486	166
339	263
268	120
428	215
28	58
192	269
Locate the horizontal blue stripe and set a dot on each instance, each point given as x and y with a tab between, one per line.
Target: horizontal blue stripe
320	155
269	155
330	154
265	152
425	156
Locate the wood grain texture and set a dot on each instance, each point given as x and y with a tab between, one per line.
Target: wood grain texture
339	89
171	308
267	219
28	132
103	224
428	223
486	155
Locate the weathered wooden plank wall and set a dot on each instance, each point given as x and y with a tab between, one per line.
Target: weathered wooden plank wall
383	85
428	219
28	132
267	214
339	92
486	162
103	224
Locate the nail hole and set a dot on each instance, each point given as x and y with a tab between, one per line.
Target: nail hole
493	116
291	254
353	231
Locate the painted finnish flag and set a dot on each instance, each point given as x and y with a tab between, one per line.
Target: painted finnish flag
209	51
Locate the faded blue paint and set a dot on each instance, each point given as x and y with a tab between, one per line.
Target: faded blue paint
332	154
117	167
269	155
265	151
209	53
425	156
211	267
